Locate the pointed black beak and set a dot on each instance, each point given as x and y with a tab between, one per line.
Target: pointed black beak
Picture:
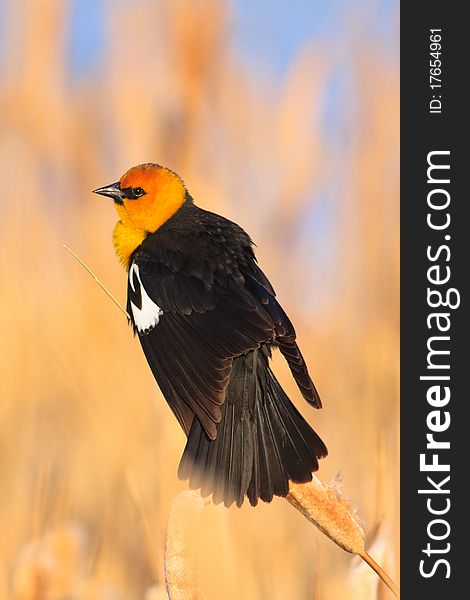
112	191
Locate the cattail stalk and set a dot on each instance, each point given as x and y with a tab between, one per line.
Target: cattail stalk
181	572
337	518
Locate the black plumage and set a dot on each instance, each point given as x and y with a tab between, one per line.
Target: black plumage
210	354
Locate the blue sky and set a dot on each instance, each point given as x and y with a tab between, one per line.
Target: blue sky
268	32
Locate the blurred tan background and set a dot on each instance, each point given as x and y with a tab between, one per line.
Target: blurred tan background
88	448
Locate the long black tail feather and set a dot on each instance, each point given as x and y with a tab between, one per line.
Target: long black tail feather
262	440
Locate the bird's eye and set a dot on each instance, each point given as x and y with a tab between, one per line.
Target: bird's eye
132	193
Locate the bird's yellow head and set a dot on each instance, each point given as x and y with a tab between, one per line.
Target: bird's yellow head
145	197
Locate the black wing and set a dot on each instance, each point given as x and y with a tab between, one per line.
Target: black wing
215	304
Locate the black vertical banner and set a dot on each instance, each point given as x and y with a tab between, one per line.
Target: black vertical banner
435	359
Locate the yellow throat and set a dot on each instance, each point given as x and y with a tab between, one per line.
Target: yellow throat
164	195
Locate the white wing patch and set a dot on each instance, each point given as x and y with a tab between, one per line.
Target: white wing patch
147	317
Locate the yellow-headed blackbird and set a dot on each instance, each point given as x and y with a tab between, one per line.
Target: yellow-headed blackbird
207	318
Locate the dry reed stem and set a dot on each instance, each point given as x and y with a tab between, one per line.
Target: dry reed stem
366	557
136	497
337	518
41	498
363	581
102	286
181	573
